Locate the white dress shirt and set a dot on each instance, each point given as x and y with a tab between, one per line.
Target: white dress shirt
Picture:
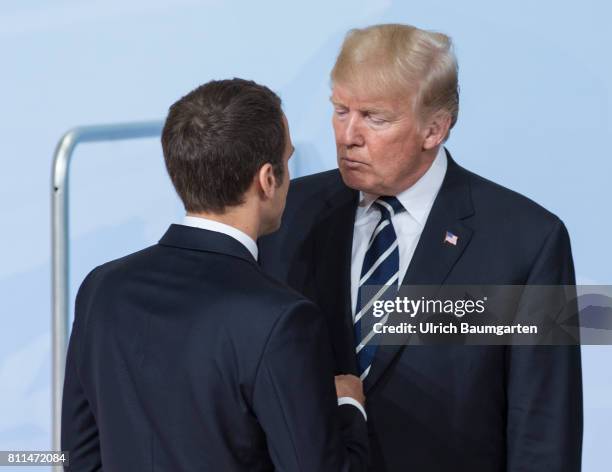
251	245
408	225
211	225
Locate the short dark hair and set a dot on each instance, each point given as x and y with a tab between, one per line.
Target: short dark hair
217	137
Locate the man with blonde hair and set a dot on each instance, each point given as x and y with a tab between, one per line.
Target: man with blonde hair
397	210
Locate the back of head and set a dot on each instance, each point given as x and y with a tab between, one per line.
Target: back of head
217	137
394	60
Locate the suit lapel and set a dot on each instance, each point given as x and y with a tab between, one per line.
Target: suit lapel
434	258
333	248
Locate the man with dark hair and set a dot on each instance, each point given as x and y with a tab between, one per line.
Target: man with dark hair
185	355
217	137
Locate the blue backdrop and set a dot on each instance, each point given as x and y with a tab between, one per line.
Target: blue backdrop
536	82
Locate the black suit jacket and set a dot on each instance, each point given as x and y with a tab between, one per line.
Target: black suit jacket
434	408
187	357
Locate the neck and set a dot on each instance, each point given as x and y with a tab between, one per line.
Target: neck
422	166
238	217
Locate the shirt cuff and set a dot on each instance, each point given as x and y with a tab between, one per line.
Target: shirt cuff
355	403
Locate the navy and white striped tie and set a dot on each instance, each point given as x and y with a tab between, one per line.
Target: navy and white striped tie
381	268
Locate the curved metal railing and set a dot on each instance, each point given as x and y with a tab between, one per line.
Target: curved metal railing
60	248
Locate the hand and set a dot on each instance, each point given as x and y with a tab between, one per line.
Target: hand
350	386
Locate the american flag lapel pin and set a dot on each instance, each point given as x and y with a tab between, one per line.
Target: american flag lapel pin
451	238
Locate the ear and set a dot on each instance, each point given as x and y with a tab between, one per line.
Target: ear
436	130
266	181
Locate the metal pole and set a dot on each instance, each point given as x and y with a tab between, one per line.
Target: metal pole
60	247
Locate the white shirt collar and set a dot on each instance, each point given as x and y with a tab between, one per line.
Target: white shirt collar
417	199
210	225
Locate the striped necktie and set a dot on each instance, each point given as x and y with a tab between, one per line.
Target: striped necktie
380	267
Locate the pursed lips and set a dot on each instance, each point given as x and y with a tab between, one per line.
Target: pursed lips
352	162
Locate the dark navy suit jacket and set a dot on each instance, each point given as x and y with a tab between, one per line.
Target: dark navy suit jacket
437	408
185	356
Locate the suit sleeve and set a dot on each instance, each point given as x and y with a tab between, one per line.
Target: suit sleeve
295	400
544	383
79	434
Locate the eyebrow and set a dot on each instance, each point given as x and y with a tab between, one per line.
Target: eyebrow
376	111
371	110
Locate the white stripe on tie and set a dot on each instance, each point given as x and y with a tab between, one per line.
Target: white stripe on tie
380	227
370	335
387	206
378	262
365	373
379	294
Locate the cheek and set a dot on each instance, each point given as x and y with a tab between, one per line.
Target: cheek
285	189
338	128
383	153
390	152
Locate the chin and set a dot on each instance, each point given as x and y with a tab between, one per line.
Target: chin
271	227
355	180
276	226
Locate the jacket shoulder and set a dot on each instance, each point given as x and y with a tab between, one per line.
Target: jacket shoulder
319	184
496	201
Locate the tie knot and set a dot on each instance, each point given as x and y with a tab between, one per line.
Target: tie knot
389	206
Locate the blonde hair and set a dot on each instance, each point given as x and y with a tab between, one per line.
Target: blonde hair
396	60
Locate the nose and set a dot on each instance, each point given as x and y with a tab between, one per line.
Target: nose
351	132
